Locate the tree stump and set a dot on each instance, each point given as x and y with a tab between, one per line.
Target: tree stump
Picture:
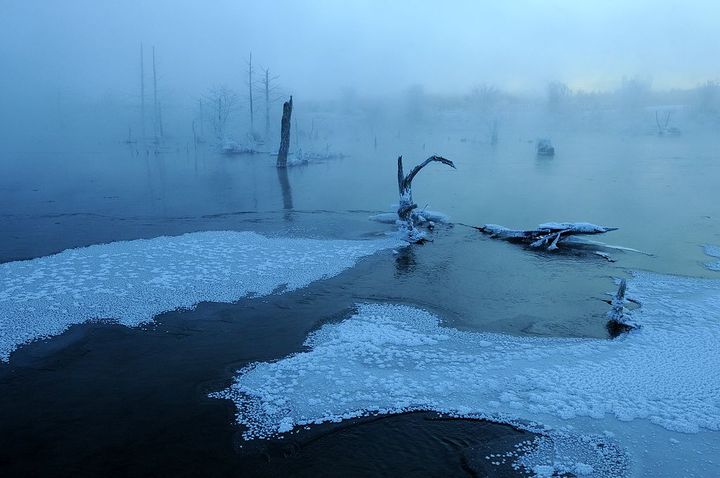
284	134
407	206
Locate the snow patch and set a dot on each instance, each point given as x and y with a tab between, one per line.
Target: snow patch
132	281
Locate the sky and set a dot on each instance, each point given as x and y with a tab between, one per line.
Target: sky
325	48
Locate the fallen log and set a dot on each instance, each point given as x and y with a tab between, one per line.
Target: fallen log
548	236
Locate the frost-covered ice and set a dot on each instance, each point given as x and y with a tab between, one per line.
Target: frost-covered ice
655	390
713	251
133	281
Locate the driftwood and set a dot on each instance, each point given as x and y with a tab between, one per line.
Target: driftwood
545	148
618	321
284	134
664	128
547	236
406	207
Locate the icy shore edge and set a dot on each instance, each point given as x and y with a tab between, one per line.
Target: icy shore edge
133	281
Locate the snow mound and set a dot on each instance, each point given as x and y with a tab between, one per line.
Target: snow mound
659	382
713	251
133	281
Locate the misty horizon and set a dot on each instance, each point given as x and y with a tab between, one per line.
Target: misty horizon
324	49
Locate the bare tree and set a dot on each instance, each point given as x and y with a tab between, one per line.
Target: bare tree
285	134
160	121
269	89
157	117
142	92
250	93
223	102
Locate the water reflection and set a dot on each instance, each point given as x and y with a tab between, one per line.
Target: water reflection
286	191
405	261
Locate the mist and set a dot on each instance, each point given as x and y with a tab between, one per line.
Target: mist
82	54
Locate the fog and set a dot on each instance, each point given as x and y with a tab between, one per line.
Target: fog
64	55
322	47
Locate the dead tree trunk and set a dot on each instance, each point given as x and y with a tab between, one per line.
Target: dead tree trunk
267	103
156	111
406	205
250	94
160	121
284	134
142	92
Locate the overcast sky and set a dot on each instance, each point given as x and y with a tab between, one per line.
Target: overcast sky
323	47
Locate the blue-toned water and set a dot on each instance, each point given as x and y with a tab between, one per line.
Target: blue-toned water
135	399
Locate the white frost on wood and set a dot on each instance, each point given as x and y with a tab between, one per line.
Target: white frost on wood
502	232
133	281
655	389
618	314
549	235
576	227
